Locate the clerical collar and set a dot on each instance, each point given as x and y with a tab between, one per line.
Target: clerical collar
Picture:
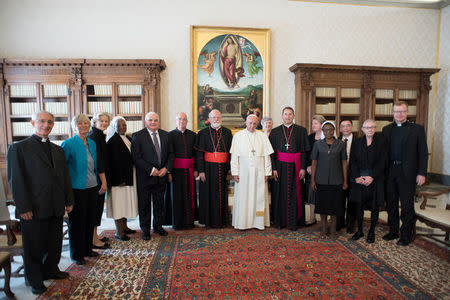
250	131
401	124
182	131
288	125
41	139
216	128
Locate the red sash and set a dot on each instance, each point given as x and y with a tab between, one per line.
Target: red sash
187	163
297	159
217	157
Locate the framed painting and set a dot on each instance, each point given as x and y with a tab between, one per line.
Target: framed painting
230	69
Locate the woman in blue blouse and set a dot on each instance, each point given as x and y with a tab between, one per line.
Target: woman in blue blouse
81	156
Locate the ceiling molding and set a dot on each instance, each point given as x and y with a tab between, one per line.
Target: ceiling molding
432	4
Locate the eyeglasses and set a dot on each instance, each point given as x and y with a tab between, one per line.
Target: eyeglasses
370	127
400	111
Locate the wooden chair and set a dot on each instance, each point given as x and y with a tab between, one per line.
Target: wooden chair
12	244
435	217
5	264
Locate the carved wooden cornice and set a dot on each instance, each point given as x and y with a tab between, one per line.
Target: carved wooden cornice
76	78
425	81
306	80
372	69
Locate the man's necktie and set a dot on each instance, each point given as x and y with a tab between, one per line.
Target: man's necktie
158	149
345	141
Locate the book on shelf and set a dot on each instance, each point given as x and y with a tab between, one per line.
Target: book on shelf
350	93
350	108
407	94
130	90
381	124
384	109
412	109
55	90
326	108
60	128
384	94
22	128
23	108
99	106
134	125
326	92
130	107
355	125
57	108
102	89
22	90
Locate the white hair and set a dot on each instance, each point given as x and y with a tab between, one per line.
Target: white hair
35	115
98	115
77	119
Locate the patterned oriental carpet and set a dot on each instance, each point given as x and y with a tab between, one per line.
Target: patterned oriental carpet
270	264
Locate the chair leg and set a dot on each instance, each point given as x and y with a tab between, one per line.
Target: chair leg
7	267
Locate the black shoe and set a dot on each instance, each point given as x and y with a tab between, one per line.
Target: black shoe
357	235
122	237
38	290
57	275
161	232
105	246
129	231
79	262
104	239
390	236
93	254
402	242
370	237
145	235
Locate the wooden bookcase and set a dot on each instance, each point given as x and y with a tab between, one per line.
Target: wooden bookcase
67	87
359	92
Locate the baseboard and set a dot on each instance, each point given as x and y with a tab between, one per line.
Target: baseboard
439	178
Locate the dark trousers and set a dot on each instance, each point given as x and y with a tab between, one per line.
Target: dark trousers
99	208
82	221
350	216
148	194
397	188
374	214
42	242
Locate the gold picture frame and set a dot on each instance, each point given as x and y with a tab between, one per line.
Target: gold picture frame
230	71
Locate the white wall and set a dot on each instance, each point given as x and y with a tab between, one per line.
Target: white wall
302	32
441	137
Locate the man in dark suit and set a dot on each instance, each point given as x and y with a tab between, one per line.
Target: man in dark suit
41	189
408	155
153	156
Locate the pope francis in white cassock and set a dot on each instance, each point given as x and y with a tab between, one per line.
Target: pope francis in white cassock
251	167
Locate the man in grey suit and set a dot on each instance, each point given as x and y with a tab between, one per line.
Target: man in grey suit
41	189
153	156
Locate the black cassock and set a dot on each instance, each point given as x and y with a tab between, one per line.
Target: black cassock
286	207
183	196
213	196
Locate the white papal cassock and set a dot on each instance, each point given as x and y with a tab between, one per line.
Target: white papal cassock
250	160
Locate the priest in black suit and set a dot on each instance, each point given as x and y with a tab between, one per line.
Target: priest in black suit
41	189
408	156
153	157
290	143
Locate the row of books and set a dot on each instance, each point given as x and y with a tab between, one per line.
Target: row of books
383	109
130	107
327	108
130	90
57	108
25	128
55	90
99	106
350	108
381	124
23	108
102	89
350	93
384	94
22	90
387	109
325	92
407	94
135	125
